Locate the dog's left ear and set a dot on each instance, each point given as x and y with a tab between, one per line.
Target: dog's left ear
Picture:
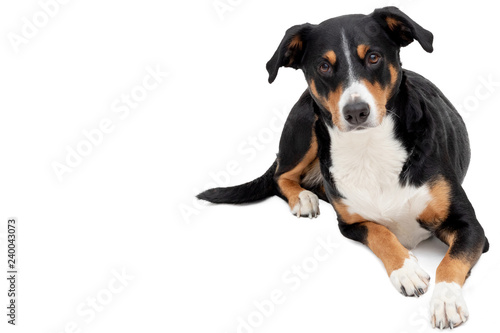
290	50
402	29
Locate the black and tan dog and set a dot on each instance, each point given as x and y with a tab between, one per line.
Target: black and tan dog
383	145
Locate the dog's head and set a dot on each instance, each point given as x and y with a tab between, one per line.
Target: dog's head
351	63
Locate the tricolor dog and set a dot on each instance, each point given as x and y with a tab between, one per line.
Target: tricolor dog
383	145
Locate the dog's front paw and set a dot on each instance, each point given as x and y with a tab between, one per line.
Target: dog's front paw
307	205
410	280
448	307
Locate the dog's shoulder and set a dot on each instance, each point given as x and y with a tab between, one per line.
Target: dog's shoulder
427	124
423	100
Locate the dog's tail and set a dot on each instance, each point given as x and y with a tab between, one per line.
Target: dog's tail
258	189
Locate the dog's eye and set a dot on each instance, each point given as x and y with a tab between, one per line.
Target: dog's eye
373	58
325	68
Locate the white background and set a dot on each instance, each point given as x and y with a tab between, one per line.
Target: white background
121	208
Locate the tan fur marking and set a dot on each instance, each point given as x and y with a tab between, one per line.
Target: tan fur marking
314	164
456	268
289	182
392	22
312	86
311	171
331	57
343	210
362	49
331	103
394	75
452	270
447	237
381	96
438	208
380	240
296	43
290	189
386	246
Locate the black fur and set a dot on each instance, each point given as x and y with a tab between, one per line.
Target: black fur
255	190
426	123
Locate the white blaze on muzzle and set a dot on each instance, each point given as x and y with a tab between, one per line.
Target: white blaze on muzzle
356	92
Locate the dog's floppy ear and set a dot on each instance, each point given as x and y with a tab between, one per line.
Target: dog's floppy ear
290	50
402	29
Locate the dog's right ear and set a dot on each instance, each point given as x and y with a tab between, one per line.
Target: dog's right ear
402	29
290	50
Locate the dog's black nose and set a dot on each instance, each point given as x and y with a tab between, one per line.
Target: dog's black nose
356	113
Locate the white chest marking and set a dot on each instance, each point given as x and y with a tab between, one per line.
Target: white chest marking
366	166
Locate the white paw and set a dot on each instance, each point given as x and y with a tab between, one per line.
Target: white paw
410	280
308	205
448	307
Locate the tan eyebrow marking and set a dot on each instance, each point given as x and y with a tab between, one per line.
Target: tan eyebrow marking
331	57
362	49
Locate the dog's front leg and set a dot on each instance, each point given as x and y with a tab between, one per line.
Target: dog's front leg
466	240
288	177
402	267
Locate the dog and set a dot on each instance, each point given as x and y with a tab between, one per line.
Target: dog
383	145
